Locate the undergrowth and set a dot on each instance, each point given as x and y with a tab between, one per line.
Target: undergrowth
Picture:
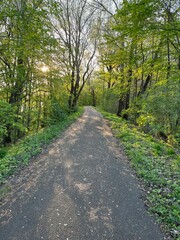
158	165
21	153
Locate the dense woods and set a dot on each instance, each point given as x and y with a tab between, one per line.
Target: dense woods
46	56
124	55
139	66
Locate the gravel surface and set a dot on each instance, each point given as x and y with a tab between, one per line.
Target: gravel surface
80	188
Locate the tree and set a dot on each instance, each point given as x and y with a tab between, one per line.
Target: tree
143	47
23	42
73	25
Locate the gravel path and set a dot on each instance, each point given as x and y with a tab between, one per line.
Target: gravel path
79	188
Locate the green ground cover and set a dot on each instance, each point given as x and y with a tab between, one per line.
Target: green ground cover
20	153
158	165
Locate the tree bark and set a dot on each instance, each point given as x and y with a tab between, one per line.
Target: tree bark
120	107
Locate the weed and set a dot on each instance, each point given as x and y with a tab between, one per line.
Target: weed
21	153
158	165
3	152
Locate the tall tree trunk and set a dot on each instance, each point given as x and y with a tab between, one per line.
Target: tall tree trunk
145	85
120	107
93	97
76	87
168	59
70	101
39	112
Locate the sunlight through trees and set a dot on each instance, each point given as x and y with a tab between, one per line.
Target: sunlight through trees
120	55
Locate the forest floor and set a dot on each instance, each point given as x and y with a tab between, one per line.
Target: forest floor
80	188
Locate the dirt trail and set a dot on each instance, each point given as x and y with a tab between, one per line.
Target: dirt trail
79	188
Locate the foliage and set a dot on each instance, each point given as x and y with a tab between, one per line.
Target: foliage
57	113
24	38
72	22
22	152
158	165
9	120
139	66
46	58
159	112
110	101
85	99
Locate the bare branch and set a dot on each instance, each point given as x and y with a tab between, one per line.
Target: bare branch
116	5
103	7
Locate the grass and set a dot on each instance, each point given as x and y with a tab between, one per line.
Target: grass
158	165
21	153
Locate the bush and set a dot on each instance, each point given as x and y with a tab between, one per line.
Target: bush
161	108
57	113
158	165
110	101
10	122
3	152
20	153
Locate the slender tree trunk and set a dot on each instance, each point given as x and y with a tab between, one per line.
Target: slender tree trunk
29	103
120	107
145	85
135	88
168	59
39	113
93	97
76	87
70	101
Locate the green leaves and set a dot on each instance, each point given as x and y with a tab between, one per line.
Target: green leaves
9	120
21	153
26	42
160	110
142	46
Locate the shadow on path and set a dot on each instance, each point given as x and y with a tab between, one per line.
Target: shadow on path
80	189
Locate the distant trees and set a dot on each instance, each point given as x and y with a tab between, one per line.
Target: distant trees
73	23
